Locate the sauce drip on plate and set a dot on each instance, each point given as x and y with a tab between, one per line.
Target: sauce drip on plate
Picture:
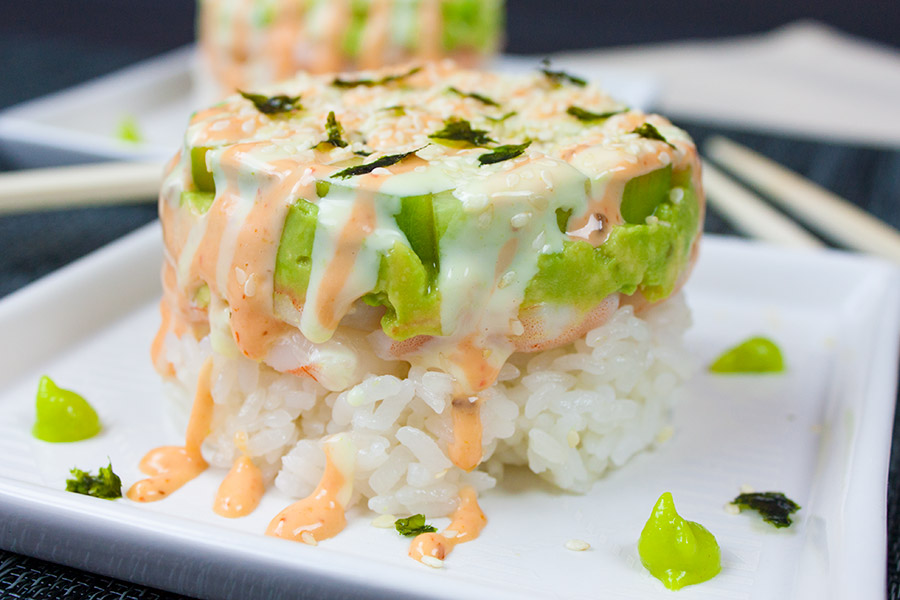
466	524
320	515
170	467
242	489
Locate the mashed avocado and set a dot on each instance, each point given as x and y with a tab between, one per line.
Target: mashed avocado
676	551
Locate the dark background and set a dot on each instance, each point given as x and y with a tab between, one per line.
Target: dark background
47	45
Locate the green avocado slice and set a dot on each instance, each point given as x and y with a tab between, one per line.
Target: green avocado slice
199	202
416	221
353	36
404	289
203	177
470	24
643	194
293	261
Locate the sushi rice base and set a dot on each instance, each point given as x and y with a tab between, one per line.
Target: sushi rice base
568	414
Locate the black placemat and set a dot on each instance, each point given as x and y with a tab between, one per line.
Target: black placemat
33	245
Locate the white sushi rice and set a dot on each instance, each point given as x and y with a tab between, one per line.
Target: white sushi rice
568	414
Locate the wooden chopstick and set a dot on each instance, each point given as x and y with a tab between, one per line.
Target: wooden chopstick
822	210
82	185
750	215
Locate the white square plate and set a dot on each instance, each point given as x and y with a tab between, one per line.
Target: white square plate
819	433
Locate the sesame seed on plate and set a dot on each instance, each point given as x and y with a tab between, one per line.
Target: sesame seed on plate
577	545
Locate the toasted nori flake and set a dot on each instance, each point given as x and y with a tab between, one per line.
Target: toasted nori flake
105	484
460	130
651	133
352	83
398	110
775	507
384	161
413	526
511	113
585	115
501	153
273	105
558	77
335	132
473	95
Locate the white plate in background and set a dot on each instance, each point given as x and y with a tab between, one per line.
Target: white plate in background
821	433
80	124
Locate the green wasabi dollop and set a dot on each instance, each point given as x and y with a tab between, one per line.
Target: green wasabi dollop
129	131
62	415
676	551
756	355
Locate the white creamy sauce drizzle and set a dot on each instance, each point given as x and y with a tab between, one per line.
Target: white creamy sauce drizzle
334	215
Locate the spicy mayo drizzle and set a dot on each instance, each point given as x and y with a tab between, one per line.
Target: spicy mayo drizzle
242	489
466	524
320	515
170	467
465	450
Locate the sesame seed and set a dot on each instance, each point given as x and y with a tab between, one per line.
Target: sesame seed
665	434
747	489
308	538
732	509
434	563
520	219
516	327
250	286
577	545
384	521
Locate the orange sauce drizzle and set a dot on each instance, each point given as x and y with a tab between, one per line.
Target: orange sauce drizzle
465	525
360	225
329	46
163	367
320	515
170	467
465	450
375	35
430	27
241	490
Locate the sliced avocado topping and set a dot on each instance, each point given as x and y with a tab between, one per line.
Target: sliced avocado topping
199	202
353	36
643	194
470	24
404	289
416	221
293	261
203	177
